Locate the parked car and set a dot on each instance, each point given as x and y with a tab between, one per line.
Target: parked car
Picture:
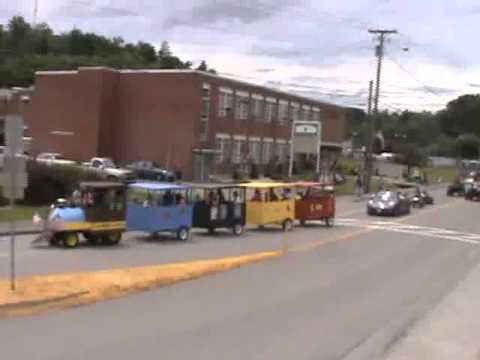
149	170
385	156
105	168
388	203
53	159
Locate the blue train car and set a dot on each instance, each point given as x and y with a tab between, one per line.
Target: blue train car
160	207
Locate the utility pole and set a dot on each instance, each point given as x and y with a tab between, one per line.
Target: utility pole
379	52
370	135
35	12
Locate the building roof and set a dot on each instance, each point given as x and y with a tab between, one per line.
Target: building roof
195	72
156	186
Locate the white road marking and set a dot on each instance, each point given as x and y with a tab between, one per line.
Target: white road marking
427	231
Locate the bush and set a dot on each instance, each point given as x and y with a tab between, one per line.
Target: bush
347	168
46	183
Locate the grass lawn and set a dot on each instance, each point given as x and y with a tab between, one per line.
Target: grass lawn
444	173
21	212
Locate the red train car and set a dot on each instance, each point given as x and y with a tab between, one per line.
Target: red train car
315	201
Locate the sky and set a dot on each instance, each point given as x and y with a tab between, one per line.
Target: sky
321	49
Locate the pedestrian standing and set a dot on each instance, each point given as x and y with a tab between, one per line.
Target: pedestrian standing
359	187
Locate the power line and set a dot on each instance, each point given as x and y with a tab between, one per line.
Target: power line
426	87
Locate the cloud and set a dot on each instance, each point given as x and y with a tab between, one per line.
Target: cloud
209	12
437	90
265	70
88	9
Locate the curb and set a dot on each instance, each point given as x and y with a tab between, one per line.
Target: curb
39	294
20	232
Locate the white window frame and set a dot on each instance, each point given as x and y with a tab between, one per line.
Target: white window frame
281	146
270	109
242	105
295	111
258	106
267	150
283	107
255	152
225	101
305	113
222	139
237	153
316	114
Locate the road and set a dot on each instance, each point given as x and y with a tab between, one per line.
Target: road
352	292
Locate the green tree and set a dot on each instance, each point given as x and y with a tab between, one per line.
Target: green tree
18	35
461	116
49	51
146	52
467	146
202	66
40	38
164	51
411	156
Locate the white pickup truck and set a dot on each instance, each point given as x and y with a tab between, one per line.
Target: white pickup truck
106	169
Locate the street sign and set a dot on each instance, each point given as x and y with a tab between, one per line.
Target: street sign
14	176
306	137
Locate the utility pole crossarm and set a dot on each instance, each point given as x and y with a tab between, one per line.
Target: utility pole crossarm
378	31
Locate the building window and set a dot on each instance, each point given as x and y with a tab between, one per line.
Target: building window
295	111
225	102
283	111
223	148
304	113
206	100
316	114
242	106
267	150
203	129
205	112
257	107
255	150
270	110
239	150
282	151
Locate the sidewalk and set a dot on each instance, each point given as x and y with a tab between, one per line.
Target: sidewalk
22	227
451	330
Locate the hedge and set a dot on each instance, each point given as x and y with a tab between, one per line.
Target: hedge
46	183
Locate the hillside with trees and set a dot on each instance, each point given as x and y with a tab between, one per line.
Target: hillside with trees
453	131
26	48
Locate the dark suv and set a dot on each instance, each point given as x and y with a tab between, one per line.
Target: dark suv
149	170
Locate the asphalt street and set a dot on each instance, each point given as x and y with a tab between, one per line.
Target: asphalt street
351	292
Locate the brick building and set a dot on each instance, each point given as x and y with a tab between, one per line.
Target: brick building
198	122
